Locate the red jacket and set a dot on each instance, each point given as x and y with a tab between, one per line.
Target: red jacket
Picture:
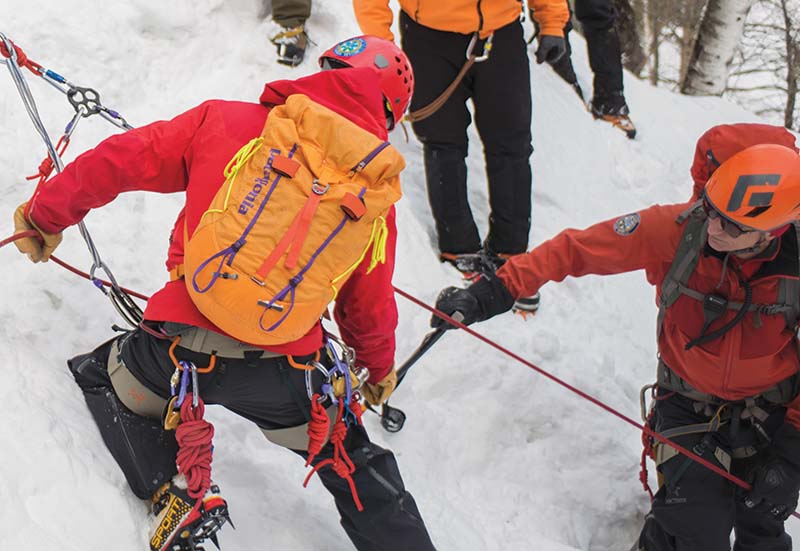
189	153
745	361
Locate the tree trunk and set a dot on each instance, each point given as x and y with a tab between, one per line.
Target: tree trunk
632	53
719	33
654	28
792	67
691	15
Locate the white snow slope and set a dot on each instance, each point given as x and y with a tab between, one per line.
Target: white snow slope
497	456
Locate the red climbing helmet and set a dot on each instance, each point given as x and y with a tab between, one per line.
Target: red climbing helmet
397	77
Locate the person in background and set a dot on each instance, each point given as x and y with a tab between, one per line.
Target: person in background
438	37
598	20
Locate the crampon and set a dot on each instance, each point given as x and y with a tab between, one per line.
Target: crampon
180	526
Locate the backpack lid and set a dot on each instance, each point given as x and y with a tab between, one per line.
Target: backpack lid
723	141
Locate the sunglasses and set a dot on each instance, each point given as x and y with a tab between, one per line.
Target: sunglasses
731	228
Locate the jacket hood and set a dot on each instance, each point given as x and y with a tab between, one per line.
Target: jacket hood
354	92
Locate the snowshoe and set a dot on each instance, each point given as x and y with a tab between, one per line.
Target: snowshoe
291	44
180	526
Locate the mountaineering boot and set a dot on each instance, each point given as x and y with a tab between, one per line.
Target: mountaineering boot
180	526
291	43
613	109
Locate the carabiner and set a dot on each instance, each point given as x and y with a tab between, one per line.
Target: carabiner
487	48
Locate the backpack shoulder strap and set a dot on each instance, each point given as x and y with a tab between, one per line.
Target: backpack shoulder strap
789	287
685	259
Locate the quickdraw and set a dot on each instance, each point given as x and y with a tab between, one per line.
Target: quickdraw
86	102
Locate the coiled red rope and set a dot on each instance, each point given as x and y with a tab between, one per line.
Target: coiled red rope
194	435
340	462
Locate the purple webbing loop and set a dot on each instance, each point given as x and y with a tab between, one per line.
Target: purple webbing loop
216	273
229	253
184	383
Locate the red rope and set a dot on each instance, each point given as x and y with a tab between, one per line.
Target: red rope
20	235
47	165
646	430
739	482
194	435
22	59
340	463
318	428
35	234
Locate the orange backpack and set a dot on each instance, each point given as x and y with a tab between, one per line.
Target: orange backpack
301	207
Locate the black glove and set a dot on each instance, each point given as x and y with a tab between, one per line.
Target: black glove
482	300
776	482
550	49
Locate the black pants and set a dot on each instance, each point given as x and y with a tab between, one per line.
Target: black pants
696	509
501	94
598	18
268	392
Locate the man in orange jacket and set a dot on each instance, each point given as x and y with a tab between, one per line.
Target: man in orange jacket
438	37
726	270
127	382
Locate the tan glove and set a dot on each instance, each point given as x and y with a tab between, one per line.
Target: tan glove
36	251
378	393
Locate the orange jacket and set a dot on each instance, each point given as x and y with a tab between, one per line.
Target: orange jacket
460	16
747	360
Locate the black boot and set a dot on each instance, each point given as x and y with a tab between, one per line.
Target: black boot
291	44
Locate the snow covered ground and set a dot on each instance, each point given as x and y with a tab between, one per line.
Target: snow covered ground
498	457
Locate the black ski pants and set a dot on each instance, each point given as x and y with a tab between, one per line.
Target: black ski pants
500	91
696	509
268	392
598	19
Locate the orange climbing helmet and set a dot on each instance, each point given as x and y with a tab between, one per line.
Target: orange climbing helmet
757	188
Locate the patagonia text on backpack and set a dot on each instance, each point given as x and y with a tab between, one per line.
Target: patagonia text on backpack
302	206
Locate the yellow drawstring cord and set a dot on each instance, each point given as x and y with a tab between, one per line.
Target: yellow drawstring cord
377	240
234	165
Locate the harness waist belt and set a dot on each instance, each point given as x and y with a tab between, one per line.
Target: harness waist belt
205	341
781	393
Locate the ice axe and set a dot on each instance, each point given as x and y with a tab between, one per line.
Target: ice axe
392	418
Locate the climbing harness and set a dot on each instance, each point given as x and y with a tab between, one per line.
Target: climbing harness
85	102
